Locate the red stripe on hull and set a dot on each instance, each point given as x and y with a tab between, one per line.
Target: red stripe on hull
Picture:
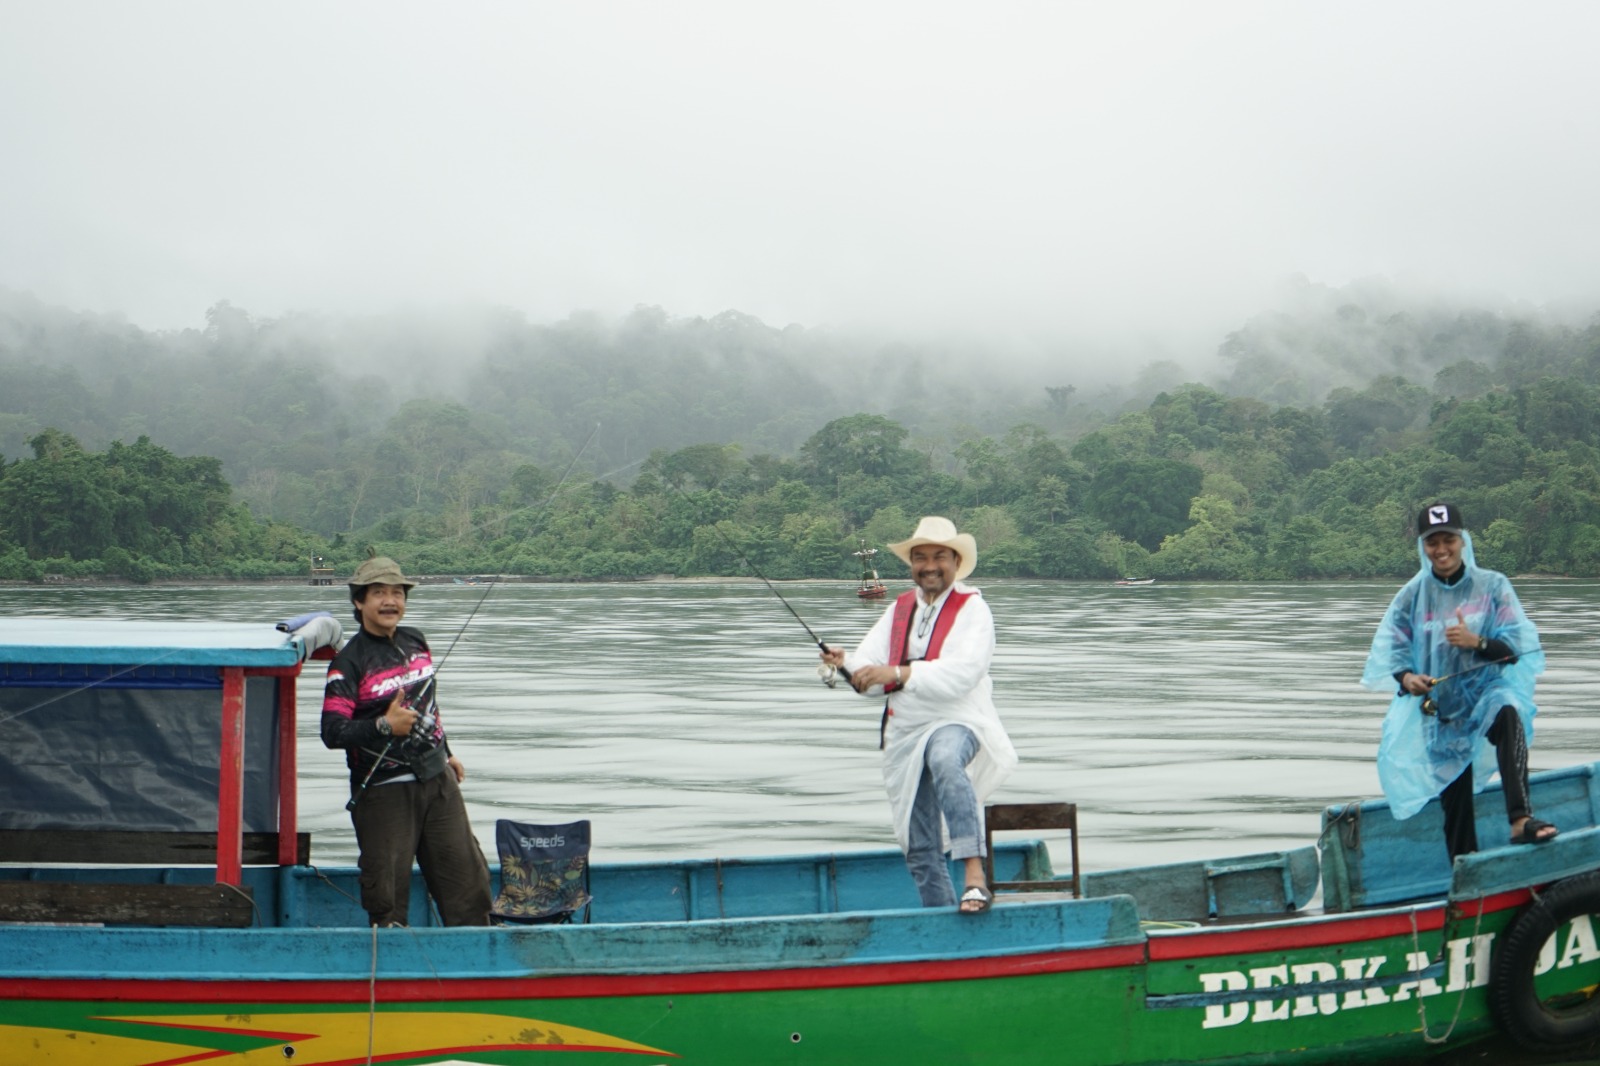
1328	932
571	987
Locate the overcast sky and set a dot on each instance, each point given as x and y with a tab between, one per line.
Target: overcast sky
1117	168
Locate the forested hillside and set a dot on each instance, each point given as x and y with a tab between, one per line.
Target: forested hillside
335	425
471	445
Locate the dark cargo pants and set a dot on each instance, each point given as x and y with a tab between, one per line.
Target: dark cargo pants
426	821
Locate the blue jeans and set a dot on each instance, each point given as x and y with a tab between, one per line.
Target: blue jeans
944	789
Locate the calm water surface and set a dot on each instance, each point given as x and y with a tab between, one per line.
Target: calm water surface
686	719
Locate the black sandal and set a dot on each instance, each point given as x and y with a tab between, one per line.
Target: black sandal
1529	833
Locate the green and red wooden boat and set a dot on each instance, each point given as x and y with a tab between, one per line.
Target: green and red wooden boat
159	907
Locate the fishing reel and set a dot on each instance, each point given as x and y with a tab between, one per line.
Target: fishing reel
829	675
1430	706
420	738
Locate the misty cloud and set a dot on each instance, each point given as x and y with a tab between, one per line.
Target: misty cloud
1108	183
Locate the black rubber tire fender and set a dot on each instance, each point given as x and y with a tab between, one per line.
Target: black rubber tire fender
1513	998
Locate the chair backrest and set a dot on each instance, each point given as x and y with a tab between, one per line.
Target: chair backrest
544	872
1006	817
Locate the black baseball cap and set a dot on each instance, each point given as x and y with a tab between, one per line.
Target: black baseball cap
1440	518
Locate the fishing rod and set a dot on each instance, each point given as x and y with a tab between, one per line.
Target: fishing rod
826	679
427	717
1430	706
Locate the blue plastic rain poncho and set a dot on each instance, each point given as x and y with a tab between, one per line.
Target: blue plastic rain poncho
1421	754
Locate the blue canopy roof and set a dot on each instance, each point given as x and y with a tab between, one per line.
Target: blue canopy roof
116	642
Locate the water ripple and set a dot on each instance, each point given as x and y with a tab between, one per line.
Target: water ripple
1186	720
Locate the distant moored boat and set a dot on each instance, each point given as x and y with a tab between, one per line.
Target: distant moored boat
870	587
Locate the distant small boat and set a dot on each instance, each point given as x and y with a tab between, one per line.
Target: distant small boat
1124	581
871	587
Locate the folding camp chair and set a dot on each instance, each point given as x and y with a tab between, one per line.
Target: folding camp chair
544	872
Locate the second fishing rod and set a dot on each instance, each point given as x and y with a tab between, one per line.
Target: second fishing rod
424	703
827	677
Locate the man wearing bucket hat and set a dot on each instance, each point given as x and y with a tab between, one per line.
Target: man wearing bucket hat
1464	656
944	747
406	799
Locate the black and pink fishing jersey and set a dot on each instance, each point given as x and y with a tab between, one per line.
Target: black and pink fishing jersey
362	681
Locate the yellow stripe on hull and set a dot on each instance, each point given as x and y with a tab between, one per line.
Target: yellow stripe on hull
316	1039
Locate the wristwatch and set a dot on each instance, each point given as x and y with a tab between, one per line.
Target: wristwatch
383	725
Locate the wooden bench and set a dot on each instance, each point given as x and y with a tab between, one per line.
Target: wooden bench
31	895
82	902
100	847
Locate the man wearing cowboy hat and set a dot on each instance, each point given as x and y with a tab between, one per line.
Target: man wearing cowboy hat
406	801
944	747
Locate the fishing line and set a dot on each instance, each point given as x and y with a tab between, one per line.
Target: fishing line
84	688
756	570
542	505
430	686
167	654
535	508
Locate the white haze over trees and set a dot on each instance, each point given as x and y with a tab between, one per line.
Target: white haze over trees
1050	194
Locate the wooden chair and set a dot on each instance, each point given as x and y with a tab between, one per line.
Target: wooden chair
1010	817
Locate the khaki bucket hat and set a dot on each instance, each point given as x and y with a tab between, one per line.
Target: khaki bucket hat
379	570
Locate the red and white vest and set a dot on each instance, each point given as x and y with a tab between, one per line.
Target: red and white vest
905	608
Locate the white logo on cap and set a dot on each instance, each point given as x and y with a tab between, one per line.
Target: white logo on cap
1438	516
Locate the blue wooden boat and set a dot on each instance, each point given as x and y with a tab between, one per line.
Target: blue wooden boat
159	906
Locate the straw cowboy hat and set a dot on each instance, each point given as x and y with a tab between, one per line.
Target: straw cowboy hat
941	531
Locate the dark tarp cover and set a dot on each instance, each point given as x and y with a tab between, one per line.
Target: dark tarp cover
131	757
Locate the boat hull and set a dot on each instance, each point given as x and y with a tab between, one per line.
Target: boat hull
1307	990
214	938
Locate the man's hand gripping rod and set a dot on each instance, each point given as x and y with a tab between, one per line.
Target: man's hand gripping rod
424	722
1430	706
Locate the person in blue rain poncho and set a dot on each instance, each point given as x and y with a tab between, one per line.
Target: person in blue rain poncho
1464	656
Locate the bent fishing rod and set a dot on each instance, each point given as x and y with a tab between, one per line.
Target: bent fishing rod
429	688
827	680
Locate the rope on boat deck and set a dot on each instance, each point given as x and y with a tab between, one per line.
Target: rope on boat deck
1348	822
325	879
372	995
372	974
1461	998
255	908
